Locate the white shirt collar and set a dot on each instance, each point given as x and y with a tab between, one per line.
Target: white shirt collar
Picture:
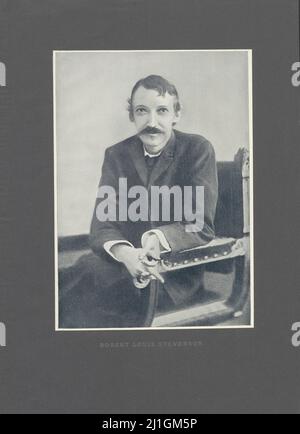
151	155
146	153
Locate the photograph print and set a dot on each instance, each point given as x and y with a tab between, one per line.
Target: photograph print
153	189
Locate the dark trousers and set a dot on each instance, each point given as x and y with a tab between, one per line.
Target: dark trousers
98	292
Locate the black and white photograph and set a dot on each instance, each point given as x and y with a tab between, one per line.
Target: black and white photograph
153	189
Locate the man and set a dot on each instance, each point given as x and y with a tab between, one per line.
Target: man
98	290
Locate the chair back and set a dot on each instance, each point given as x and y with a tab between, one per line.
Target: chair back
233	201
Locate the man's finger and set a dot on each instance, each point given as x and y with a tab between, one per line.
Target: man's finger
142	272
151	253
156	274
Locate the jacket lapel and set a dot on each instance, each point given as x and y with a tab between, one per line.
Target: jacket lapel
136	152
164	160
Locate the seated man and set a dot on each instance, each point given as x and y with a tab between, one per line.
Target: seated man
147	203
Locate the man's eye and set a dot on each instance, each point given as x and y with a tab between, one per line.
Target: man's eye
162	110
140	110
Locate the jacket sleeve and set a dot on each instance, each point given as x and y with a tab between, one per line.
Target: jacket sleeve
101	231
201	171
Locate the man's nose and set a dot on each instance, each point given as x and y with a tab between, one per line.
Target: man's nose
152	119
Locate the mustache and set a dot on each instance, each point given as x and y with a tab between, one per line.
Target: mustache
150	130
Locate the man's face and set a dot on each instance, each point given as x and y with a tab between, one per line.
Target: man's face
153	115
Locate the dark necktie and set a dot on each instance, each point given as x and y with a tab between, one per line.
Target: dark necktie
150	163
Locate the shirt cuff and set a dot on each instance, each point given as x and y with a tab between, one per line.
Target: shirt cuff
160	235
109	244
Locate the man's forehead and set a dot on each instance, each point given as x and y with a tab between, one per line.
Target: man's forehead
149	97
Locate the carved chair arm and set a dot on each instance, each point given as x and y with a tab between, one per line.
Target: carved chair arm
217	250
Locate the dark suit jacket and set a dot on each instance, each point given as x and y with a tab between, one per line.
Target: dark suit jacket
186	160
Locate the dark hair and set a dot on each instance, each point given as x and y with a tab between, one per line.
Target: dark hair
155	82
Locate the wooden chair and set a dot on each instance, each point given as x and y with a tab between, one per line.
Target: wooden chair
229	252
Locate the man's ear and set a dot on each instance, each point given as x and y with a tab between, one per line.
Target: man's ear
177	117
130	110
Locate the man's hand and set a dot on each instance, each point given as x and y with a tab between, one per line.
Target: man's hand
130	256
152	247
151	250
135	260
